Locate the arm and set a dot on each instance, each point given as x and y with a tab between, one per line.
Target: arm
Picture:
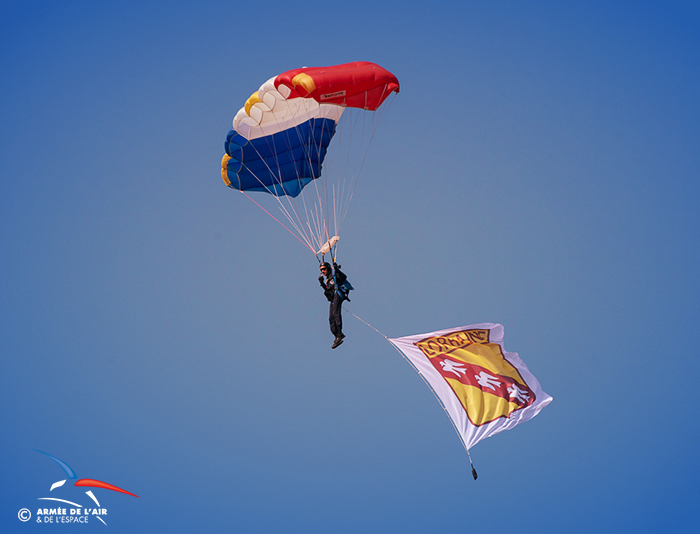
328	292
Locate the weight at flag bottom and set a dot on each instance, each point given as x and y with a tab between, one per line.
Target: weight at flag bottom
483	388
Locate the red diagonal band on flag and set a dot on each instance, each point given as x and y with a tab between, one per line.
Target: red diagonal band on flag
466	373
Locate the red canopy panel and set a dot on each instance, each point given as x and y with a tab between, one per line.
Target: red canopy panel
360	84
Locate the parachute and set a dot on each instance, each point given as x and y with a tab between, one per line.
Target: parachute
280	144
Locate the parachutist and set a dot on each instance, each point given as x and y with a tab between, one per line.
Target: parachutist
336	288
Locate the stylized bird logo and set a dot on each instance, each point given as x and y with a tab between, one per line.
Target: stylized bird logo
88	482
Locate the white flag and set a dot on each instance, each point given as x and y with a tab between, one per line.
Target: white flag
483	388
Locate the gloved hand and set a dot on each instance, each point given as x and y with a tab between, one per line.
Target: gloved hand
336	266
320	279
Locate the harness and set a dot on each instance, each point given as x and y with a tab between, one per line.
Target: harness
342	289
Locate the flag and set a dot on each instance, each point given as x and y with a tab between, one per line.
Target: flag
483	388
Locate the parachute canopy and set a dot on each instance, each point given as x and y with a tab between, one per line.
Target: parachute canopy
298	125
280	136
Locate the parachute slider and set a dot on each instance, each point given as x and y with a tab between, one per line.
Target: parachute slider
328	244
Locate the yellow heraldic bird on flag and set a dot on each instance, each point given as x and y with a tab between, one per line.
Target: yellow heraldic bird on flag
483	388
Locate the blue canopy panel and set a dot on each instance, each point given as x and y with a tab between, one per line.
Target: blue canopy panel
282	163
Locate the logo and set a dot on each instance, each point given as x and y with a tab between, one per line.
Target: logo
337	94
56	510
487	385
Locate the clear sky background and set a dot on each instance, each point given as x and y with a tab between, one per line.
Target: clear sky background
539	169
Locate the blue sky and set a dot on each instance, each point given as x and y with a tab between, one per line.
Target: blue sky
159	332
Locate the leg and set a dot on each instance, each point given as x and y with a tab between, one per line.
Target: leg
334	317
